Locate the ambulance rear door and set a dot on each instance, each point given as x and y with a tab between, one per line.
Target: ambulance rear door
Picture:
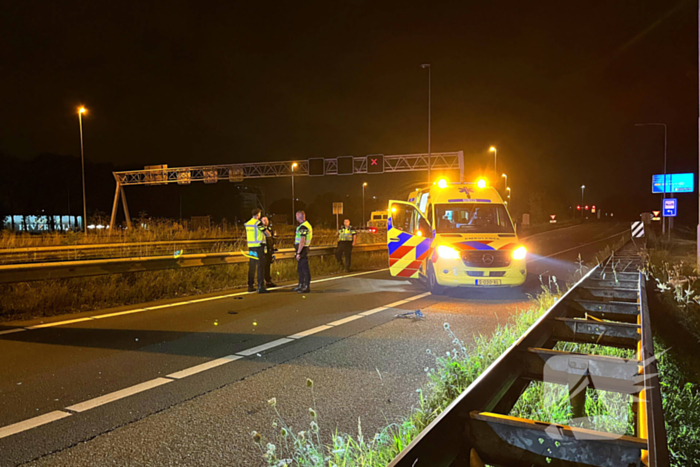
409	239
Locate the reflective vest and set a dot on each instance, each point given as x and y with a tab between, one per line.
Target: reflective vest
253	233
345	234
309	234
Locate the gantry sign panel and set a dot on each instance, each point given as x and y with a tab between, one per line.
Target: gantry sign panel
347	165
162	175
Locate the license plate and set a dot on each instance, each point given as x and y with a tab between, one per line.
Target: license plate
488	282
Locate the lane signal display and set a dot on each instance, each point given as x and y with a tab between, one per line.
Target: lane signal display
375	164
346	165
317	167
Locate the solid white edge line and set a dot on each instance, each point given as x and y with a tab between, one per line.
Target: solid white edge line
345	320
373	311
579	246
203	367
116	395
311	331
10	331
264	347
30	423
167	305
60	323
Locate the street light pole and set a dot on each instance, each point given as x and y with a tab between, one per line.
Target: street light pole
583	187
81	111
495	157
663	219
293	211
363	203
509	191
427	65
505	183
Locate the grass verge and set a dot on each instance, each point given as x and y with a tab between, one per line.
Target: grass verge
53	297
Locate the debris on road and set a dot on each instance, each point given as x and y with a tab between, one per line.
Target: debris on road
415	315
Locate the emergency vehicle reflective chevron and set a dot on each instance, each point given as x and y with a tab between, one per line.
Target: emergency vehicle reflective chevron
406	253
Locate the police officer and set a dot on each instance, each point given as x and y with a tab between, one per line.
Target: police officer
302	242
269	250
255	234
346	240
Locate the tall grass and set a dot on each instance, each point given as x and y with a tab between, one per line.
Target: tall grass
46	298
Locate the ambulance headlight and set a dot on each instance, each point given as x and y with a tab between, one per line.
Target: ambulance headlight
447	252
519	253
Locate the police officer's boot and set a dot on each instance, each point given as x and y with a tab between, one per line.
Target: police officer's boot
251	288
297	287
262	289
304	289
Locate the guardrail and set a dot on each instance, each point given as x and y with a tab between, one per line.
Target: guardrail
140	249
69	269
608	306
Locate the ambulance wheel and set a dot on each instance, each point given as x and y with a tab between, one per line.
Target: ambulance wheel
433	286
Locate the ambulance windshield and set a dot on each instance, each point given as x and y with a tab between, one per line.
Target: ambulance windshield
472	218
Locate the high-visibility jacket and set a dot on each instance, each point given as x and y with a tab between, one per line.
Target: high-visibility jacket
345	234
304	230
254	233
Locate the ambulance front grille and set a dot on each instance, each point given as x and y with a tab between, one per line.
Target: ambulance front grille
486	259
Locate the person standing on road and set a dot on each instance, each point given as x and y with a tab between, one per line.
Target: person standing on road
255	235
346	240
302	242
269	250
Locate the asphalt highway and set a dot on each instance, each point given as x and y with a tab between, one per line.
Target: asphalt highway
185	382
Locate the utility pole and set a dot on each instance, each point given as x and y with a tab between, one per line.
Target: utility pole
81	111
427	65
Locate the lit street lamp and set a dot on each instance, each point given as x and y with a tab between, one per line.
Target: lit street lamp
424	66
495	156
508	190
505	183
294	213
82	110
663	220
583	188
363	203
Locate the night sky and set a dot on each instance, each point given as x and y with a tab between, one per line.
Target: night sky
556	86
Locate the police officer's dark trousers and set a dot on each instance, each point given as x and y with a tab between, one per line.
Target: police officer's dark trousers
303	267
268	262
257	264
344	250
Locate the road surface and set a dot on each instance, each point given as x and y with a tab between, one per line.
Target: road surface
184	383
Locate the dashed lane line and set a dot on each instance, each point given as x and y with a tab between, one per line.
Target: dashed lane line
142	387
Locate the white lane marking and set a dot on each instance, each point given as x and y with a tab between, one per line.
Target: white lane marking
263	347
376	310
309	332
59	323
116	395
167	305
203	367
30	423
579	246
119	313
10	331
345	320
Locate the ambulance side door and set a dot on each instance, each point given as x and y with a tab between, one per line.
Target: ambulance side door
409	239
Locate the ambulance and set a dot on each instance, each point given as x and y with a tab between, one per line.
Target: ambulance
455	235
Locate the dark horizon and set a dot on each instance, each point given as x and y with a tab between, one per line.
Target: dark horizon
557	88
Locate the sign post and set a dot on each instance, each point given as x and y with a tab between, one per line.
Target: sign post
337	210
